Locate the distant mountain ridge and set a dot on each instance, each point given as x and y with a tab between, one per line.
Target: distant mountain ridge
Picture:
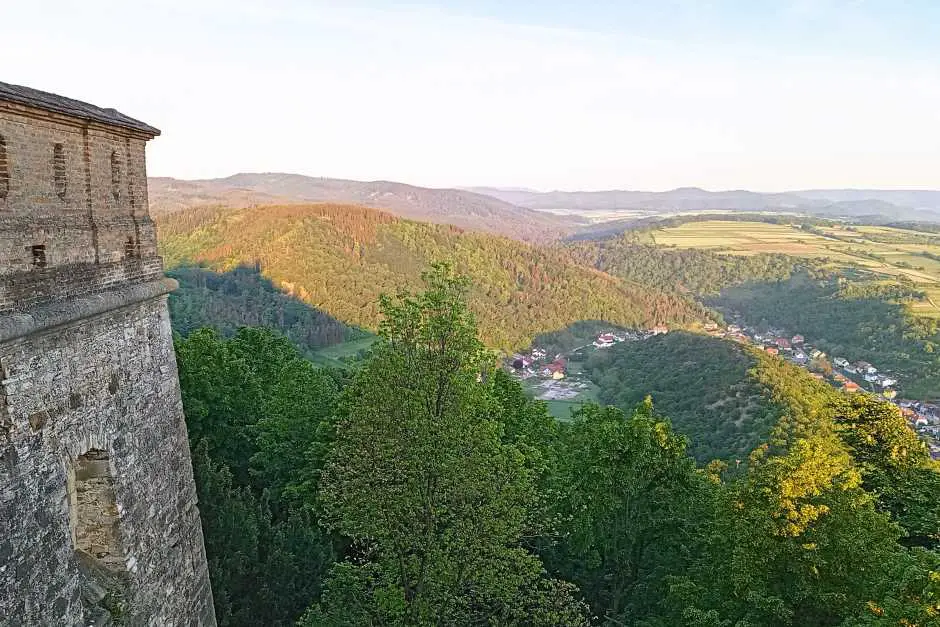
456	207
892	204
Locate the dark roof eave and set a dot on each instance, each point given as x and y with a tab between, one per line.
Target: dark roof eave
74	108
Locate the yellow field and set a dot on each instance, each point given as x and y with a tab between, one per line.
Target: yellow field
898	251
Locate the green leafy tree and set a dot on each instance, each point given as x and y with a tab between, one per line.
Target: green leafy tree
895	465
258	419
420	479
632	501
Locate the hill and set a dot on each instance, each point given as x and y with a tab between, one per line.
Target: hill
887	205
862	320
227	301
340	258
702	383
461	208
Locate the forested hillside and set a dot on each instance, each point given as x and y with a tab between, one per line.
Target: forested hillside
854	320
696	271
340	258
341	501
702	383
241	297
458	207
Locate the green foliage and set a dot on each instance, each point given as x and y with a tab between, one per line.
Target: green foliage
895	465
857	322
696	271
630	498
242	297
700	382
341	258
255	412
428	490
421	480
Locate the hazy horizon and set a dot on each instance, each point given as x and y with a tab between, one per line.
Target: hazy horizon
804	95
516	188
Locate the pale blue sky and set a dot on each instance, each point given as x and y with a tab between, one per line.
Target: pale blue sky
551	95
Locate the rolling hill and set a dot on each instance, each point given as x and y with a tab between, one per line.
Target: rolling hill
461	208
704	384
340	258
921	205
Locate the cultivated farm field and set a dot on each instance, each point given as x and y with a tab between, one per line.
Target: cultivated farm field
884	251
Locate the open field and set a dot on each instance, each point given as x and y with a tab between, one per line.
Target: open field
888	252
334	355
564	396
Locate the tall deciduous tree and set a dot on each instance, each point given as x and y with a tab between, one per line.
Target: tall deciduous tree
632	502
420	478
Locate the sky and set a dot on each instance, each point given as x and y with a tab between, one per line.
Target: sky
751	94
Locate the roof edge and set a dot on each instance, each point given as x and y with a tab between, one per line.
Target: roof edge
48	101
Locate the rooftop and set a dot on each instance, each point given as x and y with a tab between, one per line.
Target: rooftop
67	106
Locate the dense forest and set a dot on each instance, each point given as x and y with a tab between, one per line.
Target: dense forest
427	489
702	383
697	271
339	259
242	297
849	319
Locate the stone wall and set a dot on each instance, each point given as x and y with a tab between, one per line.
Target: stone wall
94	235
98	516
107	383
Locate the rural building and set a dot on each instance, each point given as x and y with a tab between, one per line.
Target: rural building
96	488
798	339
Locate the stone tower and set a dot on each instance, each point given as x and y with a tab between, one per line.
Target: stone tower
98	518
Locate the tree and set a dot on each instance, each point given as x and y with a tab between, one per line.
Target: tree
421	481
257	415
632	501
895	465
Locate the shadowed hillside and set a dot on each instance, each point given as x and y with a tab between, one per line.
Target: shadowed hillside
339	258
241	297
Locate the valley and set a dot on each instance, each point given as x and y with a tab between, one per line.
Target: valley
655	388
470	314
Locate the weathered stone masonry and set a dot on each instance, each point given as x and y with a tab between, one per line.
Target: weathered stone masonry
98	517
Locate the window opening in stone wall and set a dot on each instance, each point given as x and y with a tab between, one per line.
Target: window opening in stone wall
58	169
115	175
131	249
39	255
94	514
4	169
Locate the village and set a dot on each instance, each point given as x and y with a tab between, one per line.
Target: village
560	381
858	377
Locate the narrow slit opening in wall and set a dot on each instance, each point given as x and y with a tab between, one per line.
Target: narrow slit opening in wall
115	175
94	516
58	170
4	169
131	249
39	255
